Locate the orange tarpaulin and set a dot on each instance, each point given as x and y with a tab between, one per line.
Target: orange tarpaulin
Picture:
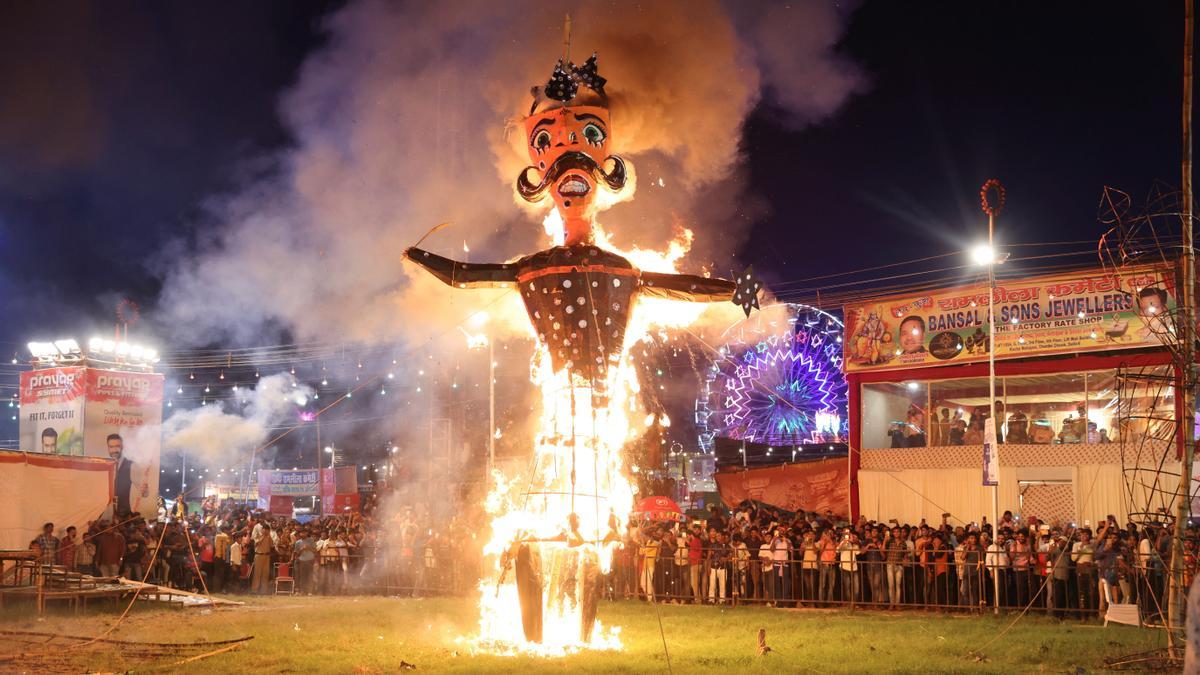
808	486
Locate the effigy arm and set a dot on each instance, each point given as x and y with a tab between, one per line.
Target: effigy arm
686	287
464	275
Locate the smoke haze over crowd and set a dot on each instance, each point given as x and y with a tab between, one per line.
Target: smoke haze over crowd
406	120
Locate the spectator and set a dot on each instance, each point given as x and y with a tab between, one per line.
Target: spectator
46	545
897	554
235	561
110	549
67	550
305	557
85	555
264	545
767	563
135	552
828	555
718	569
221	545
972	561
695	554
848	562
810	555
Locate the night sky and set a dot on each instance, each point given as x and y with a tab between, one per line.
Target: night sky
117	124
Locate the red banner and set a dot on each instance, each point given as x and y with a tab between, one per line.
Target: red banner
340	504
808	486
281	505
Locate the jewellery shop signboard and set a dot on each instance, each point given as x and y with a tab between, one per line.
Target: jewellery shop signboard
1076	312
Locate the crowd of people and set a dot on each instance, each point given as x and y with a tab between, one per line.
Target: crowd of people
755	554
959	427
232	548
759	555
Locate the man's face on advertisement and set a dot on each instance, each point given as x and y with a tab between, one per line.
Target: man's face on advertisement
49	444
1150	305
912	336
115	447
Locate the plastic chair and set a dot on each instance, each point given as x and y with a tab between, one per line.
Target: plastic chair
284	583
1120	612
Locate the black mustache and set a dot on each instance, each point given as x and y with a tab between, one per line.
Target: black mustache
615	180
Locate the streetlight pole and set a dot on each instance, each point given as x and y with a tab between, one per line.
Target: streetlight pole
1187	336
991	437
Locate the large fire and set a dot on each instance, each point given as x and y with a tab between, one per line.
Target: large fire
576	468
556	523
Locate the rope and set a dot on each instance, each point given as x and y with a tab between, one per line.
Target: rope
662	634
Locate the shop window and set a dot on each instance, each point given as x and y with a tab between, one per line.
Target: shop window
1146	407
1045	409
1103	407
959	408
895	415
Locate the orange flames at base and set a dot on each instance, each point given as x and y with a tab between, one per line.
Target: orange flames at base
577	469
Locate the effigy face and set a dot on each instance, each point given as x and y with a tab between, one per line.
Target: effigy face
568	148
578	299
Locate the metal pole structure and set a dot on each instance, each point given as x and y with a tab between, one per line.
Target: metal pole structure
491	413
1187	337
992	400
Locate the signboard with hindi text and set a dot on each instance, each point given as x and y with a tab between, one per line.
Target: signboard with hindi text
1085	311
281	483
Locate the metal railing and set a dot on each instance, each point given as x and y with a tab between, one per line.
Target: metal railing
934	583
937	583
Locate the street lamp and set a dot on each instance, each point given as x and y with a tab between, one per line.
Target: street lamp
332	455
992	199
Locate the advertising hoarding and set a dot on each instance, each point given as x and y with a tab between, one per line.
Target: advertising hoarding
51	417
123	422
1085	311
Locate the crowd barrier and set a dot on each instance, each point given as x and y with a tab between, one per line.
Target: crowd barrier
792	582
865	584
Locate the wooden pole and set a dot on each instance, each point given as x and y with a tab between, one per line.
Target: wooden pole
1187	337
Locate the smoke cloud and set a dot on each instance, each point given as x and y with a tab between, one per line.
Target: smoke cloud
408	119
227	431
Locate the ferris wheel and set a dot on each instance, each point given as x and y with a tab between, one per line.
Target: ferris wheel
777	380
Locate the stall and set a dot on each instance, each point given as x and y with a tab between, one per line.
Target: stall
1084	397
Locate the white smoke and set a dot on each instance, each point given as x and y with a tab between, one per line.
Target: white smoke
403	121
228	431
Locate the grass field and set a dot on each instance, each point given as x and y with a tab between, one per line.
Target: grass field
373	635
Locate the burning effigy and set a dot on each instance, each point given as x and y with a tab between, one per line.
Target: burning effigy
556	525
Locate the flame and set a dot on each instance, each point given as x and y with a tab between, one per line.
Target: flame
577	468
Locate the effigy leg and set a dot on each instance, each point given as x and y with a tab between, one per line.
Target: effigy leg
590	584
528	569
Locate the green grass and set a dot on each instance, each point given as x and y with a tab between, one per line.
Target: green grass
372	635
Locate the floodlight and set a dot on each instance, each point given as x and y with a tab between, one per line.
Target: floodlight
67	346
122	349
135	352
95	343
983	255
42	350
107	346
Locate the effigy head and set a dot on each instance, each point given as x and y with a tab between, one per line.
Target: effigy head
567	135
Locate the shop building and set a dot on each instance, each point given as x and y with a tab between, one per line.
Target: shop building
1084	393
